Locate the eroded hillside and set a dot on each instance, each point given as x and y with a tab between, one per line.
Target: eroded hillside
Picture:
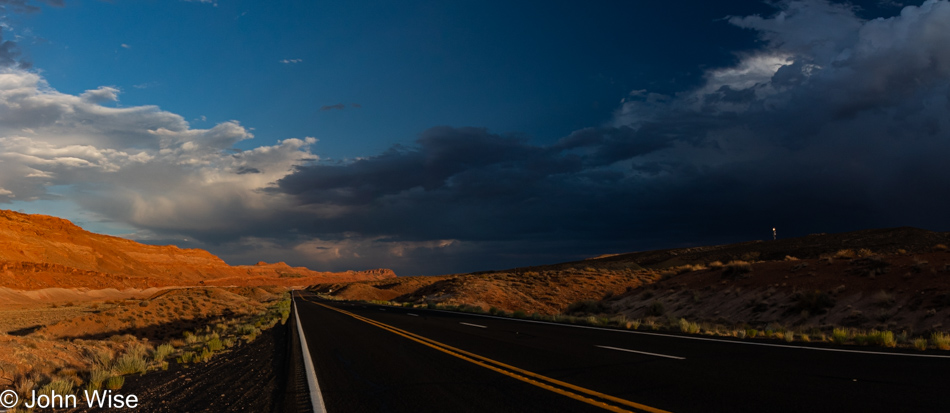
39	251
895	279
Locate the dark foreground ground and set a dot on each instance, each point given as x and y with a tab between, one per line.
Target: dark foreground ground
254	377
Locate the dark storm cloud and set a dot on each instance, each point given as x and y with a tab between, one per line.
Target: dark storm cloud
338	106
471	184
837	123
9	52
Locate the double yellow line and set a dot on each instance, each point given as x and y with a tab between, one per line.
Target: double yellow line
604	401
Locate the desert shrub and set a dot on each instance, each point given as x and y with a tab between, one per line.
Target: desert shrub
587	307
688	327
920	343
60	386
25	385
205	355
115	382
839	336
97	376
136	349
471	309
715	265
162	351
248	331
882	338
751	256
190	337
814	303
186	357
129	364
633	324
941	247
790	258
215	344
656	309
101	357
845	254
736	269
682	269
519	314
940	340
789	336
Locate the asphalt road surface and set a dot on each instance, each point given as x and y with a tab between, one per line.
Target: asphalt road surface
372	358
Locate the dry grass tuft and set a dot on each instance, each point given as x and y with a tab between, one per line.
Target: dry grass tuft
736	269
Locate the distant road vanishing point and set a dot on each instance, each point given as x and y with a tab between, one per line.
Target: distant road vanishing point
370	358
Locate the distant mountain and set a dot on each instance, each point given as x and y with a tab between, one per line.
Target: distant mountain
40	251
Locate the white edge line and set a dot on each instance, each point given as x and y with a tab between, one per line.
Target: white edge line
414	315
642	352
316	397
747	343
474	325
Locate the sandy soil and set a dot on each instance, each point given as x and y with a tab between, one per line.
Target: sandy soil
40	345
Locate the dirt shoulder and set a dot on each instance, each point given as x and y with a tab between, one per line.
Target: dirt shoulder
250	377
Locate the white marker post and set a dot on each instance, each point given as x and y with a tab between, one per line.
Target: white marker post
773	234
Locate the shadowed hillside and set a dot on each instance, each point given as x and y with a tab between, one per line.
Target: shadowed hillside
895	279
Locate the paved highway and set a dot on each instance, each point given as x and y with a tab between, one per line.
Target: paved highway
387	359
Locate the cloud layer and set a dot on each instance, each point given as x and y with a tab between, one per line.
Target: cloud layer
138	165
835	123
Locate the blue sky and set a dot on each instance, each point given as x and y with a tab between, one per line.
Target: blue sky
544	69
433	138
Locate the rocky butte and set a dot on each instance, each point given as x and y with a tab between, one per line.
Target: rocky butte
42	252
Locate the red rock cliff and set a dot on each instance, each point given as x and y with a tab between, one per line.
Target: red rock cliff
39	251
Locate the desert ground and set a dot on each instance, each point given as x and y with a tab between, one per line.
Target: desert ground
82	311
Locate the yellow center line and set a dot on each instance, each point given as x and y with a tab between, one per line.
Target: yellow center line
526	376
